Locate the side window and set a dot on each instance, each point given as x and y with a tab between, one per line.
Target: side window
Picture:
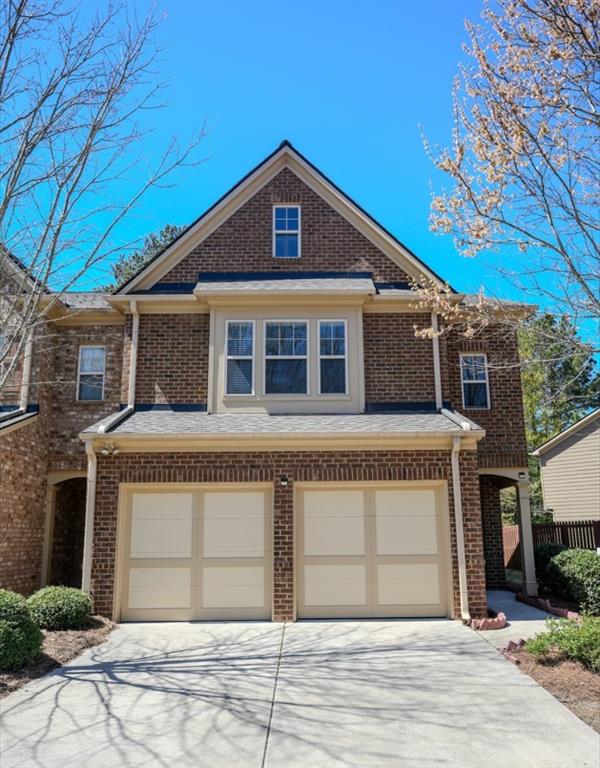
332	357
240	357
475	381
91	372
286	357
286	231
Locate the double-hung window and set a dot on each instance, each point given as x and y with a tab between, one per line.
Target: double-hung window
475	381
91	373
286	357
332	357
286	231
240	357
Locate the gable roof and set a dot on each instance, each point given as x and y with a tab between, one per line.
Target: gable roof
568	432
284	156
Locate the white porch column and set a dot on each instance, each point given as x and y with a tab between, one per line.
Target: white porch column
529	583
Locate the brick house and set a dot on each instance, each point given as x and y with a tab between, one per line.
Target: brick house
250	429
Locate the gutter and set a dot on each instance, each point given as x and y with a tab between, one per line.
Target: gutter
130	407
460	534
90	504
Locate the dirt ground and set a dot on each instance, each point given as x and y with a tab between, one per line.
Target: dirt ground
570	682
59	647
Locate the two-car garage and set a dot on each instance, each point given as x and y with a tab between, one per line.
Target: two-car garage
194	552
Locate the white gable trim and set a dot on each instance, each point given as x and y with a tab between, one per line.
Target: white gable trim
285	157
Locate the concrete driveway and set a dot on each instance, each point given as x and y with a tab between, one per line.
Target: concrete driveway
314	694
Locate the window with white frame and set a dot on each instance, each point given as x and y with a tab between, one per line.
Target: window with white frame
91	373
240	357
475	381
286	357
286	231
332	357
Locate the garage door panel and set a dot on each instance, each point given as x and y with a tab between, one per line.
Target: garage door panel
157	588
334	523
236	587
201	553
399	568
161	525
408	584
335	585
406	522
234	525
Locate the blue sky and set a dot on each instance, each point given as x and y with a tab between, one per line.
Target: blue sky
351	84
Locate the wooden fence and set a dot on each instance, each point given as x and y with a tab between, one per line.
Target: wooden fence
579	534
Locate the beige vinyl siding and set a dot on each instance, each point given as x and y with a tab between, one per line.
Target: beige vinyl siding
571	475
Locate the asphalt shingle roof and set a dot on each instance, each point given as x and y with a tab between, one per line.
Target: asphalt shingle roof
167	422
296	285
85	300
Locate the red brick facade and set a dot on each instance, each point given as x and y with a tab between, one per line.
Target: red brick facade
298	466
245	240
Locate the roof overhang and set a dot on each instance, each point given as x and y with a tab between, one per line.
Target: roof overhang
573	429
284	157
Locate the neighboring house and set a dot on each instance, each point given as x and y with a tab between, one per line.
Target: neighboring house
250	429
570	470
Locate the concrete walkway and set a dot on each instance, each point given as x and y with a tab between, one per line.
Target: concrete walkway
408	694
524	621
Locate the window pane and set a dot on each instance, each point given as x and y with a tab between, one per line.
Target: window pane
92	359
285	377
286	339
286	246
333	376
332	339
239	377
473	368
90	387
475	396
239	339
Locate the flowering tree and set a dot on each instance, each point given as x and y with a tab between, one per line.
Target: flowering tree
76	94
524	163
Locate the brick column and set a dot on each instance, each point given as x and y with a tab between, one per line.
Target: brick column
283	550
473	535
491	516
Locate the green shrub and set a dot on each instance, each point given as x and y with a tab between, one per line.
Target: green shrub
60	607
577	640
543	553
20	637
575	575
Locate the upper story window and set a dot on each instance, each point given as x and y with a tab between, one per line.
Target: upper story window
286	357
91	373
475	381
332	357
286	231
240	357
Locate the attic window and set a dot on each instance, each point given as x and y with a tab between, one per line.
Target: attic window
286	231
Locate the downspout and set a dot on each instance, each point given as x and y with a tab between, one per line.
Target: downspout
90	503
26	379
460	534
437	376
130	407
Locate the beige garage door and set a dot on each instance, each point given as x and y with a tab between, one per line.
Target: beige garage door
372	551
196	553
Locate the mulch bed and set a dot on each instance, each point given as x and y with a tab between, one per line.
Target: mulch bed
59	648
570	682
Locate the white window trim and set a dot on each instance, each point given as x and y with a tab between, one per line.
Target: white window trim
229	357
286	357
288	231
90	373
333	357
475	381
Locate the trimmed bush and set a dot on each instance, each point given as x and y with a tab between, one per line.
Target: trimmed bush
569	639
60	608
542	554
20	638
575	575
